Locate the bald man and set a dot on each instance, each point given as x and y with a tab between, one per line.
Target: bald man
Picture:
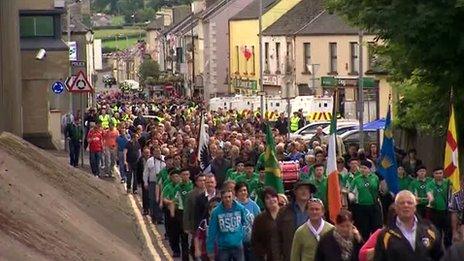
407	237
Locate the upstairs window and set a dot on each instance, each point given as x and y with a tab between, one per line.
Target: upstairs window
36	26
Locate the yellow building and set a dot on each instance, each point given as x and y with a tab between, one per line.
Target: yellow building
244	42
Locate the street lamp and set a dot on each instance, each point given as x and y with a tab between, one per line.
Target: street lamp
89	37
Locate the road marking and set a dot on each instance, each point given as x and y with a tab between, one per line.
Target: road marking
143	225
147	237
158	237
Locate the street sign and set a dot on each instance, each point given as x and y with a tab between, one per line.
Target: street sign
262	93
69	82
57	87
328	81
80	84
78	64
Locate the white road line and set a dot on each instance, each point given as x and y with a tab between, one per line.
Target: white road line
147	237
158	237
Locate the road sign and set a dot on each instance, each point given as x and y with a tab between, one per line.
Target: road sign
69	82
80	84
78	64
57	87
328	81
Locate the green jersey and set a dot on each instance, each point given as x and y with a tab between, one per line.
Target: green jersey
252	182
348	178
404	182
440	193
181	191
256	195
169	191
321	186
365	189
233	175
162	176
419	189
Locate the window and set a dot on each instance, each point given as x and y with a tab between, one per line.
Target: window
36	26
288	57
333	57
277	58
307	56
237	56
354	62
266	57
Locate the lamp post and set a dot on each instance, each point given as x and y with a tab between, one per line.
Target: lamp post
89	37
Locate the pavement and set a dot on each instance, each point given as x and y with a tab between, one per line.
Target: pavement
154	235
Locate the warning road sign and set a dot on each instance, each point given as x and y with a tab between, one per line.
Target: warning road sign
79	83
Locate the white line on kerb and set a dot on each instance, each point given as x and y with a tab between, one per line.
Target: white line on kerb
147	237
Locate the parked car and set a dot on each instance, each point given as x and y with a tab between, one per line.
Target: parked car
342	127
352	137
308	131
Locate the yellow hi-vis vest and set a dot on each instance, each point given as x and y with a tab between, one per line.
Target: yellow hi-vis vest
294	123
105	121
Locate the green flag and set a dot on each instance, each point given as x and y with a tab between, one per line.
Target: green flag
273	177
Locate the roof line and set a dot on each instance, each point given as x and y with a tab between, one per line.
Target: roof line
310	22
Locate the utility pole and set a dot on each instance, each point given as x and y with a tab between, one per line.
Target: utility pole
260	82
193	61
68	23
361	91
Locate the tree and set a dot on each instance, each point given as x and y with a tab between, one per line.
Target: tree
148	68
424	42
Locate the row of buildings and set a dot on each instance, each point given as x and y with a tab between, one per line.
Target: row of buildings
214	44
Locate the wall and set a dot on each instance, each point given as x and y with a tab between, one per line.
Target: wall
216	56
320	55
36	4
10	69
37	77
245	33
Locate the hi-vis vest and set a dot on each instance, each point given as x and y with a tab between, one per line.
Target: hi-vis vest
294	123
105	121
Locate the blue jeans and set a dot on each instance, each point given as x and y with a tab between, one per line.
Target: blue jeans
230	254
95	158
122	167
155	211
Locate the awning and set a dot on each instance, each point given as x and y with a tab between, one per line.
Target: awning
375	125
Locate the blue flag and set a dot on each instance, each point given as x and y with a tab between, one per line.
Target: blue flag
387	166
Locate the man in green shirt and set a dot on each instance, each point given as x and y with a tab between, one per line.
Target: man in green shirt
366	211
239	170
320	181
169	195
179	236
163	175
418	187
249	177
438	191
404	180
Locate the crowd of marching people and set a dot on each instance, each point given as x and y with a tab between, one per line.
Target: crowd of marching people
226	212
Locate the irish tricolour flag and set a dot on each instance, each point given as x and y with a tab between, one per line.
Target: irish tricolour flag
333	184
